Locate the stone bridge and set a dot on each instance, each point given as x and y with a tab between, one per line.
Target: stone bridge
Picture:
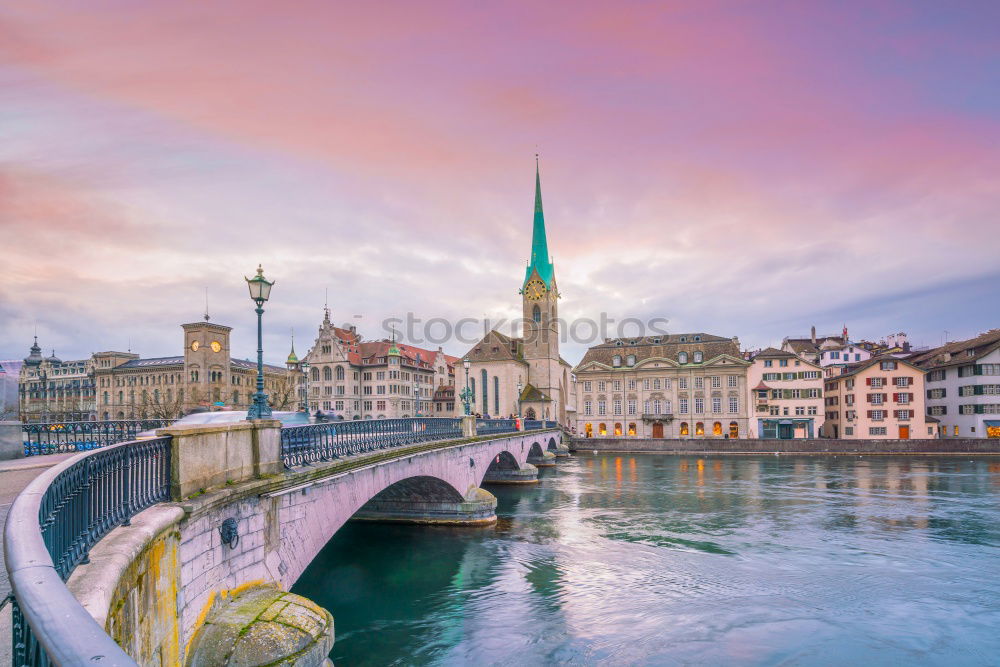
180	585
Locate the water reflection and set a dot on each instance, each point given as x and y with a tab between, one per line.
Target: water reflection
655	559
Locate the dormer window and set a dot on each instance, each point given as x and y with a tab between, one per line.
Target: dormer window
682	357
684	339
656	341
618	343
616	360
698	357
630	360
697	339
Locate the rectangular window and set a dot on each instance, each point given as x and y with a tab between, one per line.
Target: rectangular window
656	383
812	410
587	385
645	384
848	430
877	415
937	410
631	385
684	406
716	404
800	410
682	383
716	382
775	411
768	363
734	404
699	405
617	406
587	408
666	383
733	381
888	365
783	362
602	407
877	430
602	385
617	385
632	406
699	383
936	376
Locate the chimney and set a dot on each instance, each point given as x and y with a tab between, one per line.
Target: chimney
812	336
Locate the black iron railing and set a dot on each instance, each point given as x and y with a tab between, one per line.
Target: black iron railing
51	528
325	442
489	426
56	437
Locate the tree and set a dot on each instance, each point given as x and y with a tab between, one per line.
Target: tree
285	392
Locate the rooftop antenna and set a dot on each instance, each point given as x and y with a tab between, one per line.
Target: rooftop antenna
206	304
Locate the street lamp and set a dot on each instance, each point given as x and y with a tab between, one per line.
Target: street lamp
416	396
305	382
466	394
260	291
520	389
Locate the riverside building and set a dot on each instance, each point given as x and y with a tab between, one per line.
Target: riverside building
690	385
785	397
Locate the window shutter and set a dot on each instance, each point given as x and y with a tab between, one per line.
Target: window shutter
928	393
977	369
868	381
910	396
869	414
885	398
977	390
944	392
895	398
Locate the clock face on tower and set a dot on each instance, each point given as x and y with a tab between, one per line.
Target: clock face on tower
535	289
195	345
216	346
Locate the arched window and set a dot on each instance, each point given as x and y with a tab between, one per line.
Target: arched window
630	360
717	428
699	428
616	360
618	428
236	398
684	429
486	393
496	396
602	429
327	374
536	314
314	374
631	428
340	372
698	357
472	387
105	399
682	357
734	430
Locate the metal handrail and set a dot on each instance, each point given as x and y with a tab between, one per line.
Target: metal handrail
51	528
56	437
313	443
489	426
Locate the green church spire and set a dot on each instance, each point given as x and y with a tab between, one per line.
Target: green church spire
539	259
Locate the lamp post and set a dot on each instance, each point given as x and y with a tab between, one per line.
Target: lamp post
416	397
305	381
466	394
520	389
260	291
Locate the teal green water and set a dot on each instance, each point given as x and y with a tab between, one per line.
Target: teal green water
668	560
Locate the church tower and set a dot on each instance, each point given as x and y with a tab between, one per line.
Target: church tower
540	308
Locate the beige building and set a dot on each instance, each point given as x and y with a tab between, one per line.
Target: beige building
383	379
880	399
499	364
670	386
50	389
122	385
786	396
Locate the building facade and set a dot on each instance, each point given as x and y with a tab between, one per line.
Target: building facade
524	375
833	353
963	386
879	399
670	386
349	378
122	385
786	396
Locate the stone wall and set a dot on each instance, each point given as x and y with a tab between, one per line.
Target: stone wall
815	446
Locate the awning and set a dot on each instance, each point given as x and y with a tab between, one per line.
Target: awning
992	423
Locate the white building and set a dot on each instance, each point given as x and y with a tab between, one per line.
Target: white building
963	386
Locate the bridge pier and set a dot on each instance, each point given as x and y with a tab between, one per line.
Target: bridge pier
542	459
427	500
526	474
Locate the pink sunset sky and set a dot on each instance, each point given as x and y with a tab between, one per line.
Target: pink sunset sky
738	168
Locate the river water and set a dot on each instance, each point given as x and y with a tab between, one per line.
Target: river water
674	560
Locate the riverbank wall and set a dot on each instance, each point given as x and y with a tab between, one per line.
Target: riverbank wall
819	446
